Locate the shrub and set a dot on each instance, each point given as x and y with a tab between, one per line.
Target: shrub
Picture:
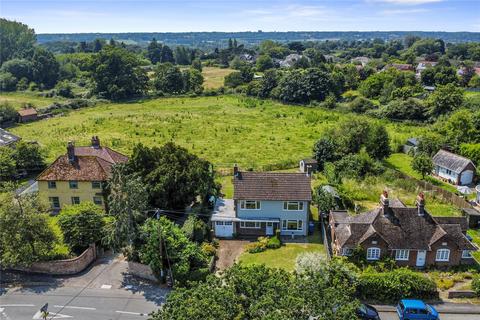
208	249
7	82
389	287
309	262
259	246
476	284
274	243
81	225
195	229
361	105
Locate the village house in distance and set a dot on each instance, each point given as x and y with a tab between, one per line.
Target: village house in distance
264	202
79	175
453	168
411	236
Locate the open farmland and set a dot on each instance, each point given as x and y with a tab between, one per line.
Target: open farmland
224	130
214	76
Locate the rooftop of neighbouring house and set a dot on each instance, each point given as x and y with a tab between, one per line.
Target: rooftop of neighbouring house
451	161
93	163
7	138
27	112
271	186
400	227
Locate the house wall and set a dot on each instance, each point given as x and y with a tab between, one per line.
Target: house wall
85	192
443	173
274	209
28	118
250	231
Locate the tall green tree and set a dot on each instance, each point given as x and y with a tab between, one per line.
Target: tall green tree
16	40
26	235
168	79
154	51
445	99
117	74
29	157
45	68
378	142
422	163
7	163
127	202
325	150
173	177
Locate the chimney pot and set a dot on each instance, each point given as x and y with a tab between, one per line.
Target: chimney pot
71	152
421	204
235	170
95	142
385	202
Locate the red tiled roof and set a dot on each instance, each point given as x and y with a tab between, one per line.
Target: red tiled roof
91	164
272	186
27	112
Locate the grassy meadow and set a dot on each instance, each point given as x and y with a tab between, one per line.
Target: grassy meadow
18	99
214	76
224	129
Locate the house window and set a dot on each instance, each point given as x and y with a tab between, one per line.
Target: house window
250	224
292	225
448	171
346	252
73	184
293	205
443	255
75	200
52	185
96	184
54	202
402	255
98	200
466	254
373	253
250	205
219	223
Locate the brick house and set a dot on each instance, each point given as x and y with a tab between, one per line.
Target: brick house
79	175
264	202
411	236
27	115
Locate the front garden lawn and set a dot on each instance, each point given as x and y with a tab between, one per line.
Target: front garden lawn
285	256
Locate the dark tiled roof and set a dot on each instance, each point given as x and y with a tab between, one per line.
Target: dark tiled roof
272	186
27	112
310	161
92	164
451	161
6	138
401	228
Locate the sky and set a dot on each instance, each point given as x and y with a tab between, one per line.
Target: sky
74	16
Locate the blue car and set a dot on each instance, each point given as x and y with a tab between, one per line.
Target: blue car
416	309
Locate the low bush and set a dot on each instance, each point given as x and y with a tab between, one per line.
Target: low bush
389	287
208	249
476	284
258	246
274	243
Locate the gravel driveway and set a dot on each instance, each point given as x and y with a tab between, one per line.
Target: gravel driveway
228	252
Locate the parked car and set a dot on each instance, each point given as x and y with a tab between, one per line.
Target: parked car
416	309
367	312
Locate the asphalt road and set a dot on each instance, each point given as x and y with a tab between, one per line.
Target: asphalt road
394	316
104	292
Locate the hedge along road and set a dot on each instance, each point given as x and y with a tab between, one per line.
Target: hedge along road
103	292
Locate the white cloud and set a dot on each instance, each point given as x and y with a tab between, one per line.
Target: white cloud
409	2
402	11
279	13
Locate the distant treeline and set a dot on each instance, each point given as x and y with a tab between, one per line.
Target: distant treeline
220	39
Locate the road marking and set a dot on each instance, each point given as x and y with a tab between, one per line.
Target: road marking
17	305
38	316
106	286
73	307
134	313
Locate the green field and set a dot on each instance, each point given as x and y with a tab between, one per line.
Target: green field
214	76
224	129
18	99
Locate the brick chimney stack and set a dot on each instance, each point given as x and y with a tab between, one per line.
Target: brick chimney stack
71	152
421	204
385	202
95	142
